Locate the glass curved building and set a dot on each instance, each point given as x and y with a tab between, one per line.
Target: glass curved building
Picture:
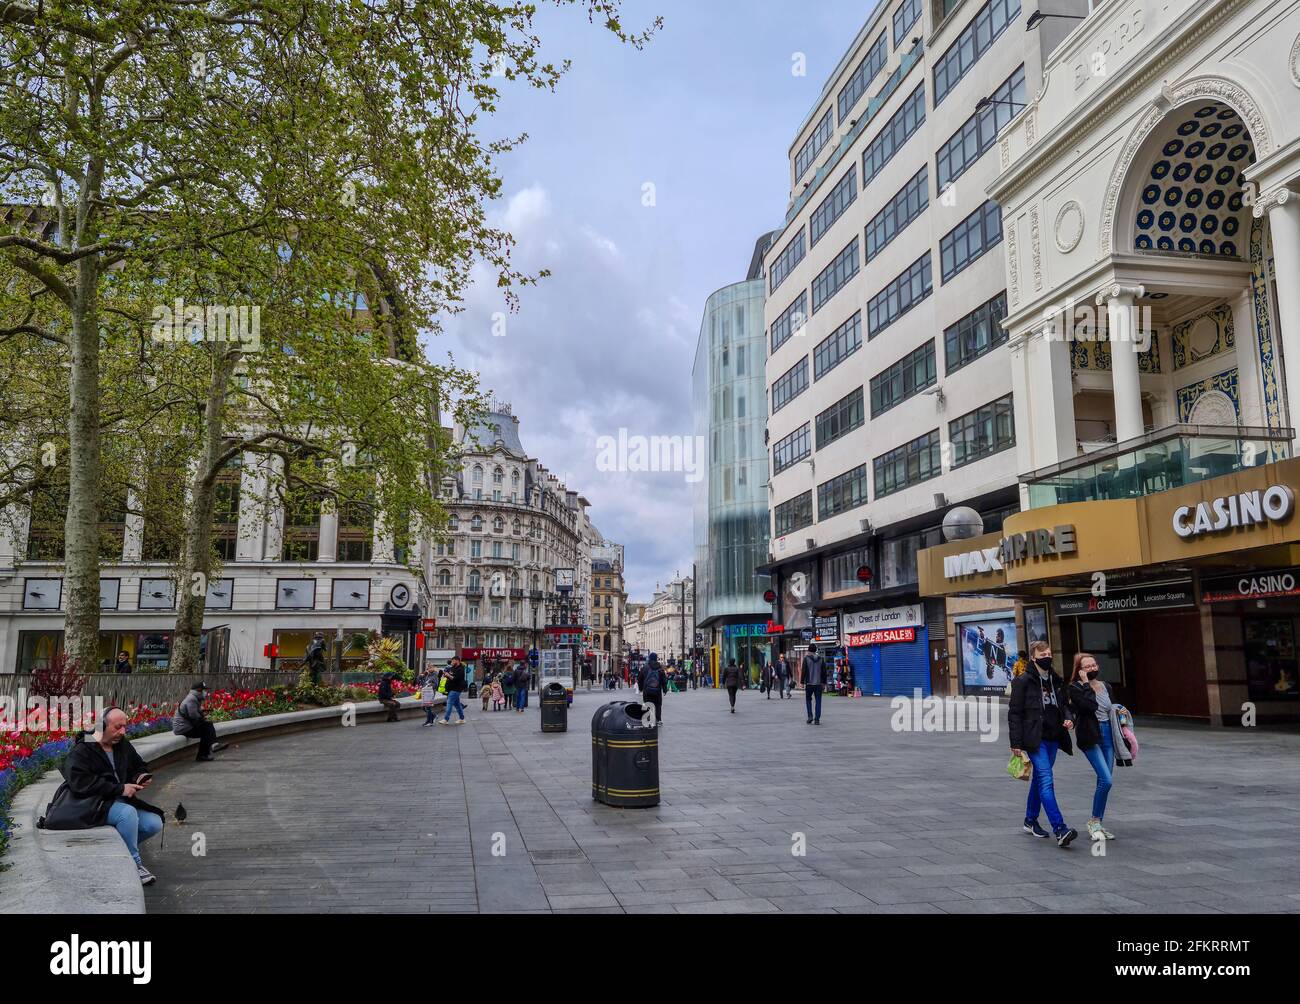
731	517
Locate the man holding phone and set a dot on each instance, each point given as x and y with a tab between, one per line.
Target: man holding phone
100	768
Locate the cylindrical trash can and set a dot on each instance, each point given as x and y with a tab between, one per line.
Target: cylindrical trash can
624	757
555	708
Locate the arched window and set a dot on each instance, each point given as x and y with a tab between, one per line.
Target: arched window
498	476
535	585
514	478
453	522
516	527
498	525
444	577
476	524
478	475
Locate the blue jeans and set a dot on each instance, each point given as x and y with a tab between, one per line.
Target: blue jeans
133	826
429	714
1042	788
453	702
808	691
521	699
1102	757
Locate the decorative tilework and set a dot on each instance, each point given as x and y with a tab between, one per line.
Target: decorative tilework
1268	368
1185	354
1225	381
1095	356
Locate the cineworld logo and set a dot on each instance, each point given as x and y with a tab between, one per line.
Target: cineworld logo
1272	505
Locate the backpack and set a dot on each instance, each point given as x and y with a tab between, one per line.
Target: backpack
653	679
508	680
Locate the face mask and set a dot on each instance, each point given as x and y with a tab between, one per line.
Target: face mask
1044	664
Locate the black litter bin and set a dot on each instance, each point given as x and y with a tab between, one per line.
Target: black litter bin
473	691
555	708
624	757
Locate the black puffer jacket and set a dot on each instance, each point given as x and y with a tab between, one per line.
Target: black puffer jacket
1083	705
731	676
89	775
1025	714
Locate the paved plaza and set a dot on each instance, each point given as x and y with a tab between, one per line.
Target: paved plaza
400	818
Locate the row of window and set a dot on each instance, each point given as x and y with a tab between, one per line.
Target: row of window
983	432
788	259
874	61
900	296
970	239
840	419
790	321
835	276
789	386
821	135
790	450
909	376
832	207
976	38
906	205
897	131
906	15
979	132
978	332
837	346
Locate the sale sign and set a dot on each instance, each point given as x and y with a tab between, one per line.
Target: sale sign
886	637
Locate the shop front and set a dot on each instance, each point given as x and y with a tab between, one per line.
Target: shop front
750	645
888	650
1188	598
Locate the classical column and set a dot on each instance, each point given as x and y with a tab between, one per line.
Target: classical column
1250	385
328	548
1283	208
1051	397
1018	346
1122	330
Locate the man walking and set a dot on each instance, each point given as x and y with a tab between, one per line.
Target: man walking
522	678
1039	720
455	687
778	676
814	679
651	682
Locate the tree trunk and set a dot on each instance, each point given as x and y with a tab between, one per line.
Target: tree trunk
196	555
81	526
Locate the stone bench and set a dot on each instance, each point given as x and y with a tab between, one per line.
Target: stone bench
91	871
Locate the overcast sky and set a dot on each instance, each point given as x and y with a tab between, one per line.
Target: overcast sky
705	114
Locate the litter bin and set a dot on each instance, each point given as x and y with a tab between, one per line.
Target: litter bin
624	757
555	708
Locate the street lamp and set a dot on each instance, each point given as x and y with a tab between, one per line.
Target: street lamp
1037	17
984	104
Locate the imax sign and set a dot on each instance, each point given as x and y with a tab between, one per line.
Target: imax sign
1011	550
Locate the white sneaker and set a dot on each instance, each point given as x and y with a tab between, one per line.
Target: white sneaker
146	876
460	721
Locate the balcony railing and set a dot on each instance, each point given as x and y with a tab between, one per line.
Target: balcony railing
1167	458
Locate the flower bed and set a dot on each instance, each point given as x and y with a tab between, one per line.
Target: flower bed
26	756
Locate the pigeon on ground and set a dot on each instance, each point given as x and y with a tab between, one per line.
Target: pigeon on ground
181	814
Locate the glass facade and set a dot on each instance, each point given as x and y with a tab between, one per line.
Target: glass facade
731	521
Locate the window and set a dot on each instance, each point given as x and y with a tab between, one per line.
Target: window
514	552
834	276
498	476
840	419
898	130
979	132
821	135
498	525
908	465
453	522
983	432
857	85
790	450
848	491
478	475
975	334
975	40
496	548
225	510
473	612
837	346
910	375
476	548
979	232
301	524
794	515
476	524
840	571
906	15
906	205
833	206
899	296
790	322
791	385
444	577
788	259
356	531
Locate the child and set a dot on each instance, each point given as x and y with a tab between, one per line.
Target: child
487	693
498	697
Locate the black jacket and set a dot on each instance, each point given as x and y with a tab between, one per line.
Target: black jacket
731	676
457	681
89	775
385	688
1025	714
645	672
1083	704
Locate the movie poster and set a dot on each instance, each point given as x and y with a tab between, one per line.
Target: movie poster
988	646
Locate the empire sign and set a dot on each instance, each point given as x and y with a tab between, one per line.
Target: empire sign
1011	550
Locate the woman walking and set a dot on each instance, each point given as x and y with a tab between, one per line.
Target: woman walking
1097	727
731	680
